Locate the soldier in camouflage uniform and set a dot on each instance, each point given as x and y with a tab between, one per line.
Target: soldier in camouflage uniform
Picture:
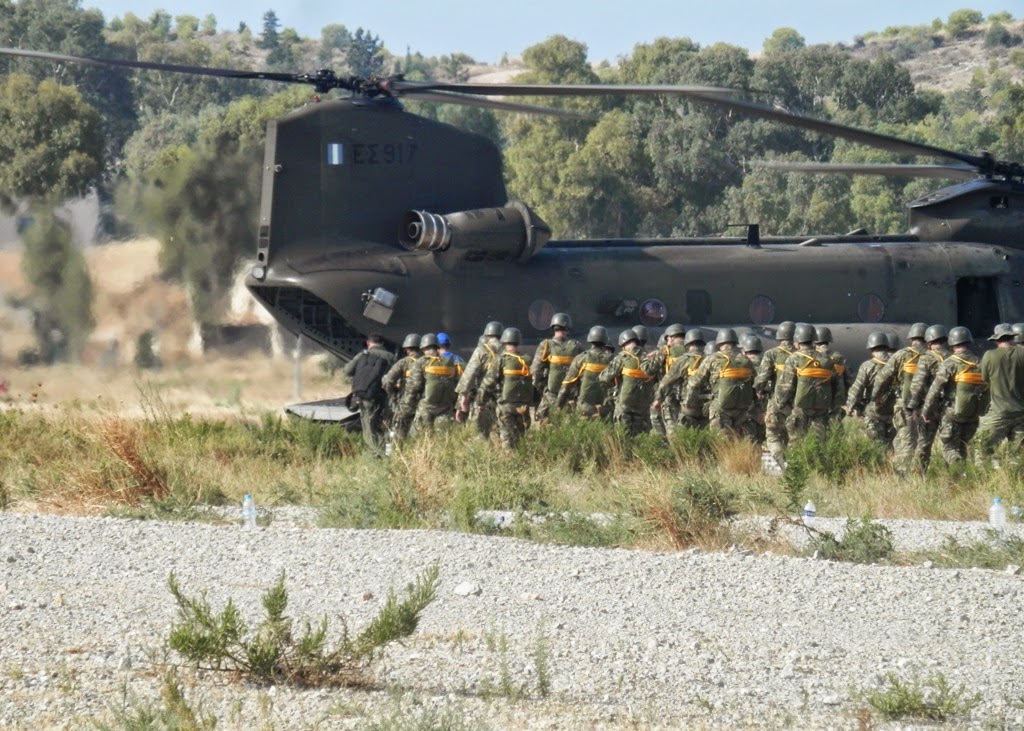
636	382
729	376
957	397
551	362
483	415
1003	370
768	370
672	386
860	398
394	385
581	385
751	346
508	382
430	389
927	366
665	408
807	386
823	344
896	378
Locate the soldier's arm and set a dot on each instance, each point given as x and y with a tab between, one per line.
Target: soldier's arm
539	367
570	386
390	380
922	380
765	371
695	383
856	399
609	374
350	367
785	386
414	384
931	407
490	380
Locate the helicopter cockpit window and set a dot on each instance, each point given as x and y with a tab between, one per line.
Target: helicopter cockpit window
761	310
540	314
870	308
653	312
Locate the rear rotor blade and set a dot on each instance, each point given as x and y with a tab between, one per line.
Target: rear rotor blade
405	87
443	97
895	170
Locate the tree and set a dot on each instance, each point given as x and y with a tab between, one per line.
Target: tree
269	39
208	26
364	54
961	21
333	37
783	40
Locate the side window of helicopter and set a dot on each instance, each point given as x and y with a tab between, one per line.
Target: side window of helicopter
761	310
653	312
540	313
870	308
698	306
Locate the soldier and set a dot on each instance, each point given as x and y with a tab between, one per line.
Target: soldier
823	344
807	386
581	384
483	416
927	366
551	362
768	371
394	383
896	378
430	390
366	371
729	376
1003	371
673	384
752	347
641	336
508	382
665	408
957	397
635	383
860	400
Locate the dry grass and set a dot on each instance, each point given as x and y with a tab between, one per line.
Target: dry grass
123	437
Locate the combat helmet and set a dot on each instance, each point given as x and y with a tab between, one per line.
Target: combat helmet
626	335
917	331
822	334
935	333
511	335
412	340
894	342
641	333
674	331
561	319
693	336
750	343
493	329
803	333
877	339
726	335
598	334
960	336
428	341
785	331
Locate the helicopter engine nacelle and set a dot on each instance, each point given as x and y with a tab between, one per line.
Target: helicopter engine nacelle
512	233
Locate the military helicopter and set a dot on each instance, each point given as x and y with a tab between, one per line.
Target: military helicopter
374	219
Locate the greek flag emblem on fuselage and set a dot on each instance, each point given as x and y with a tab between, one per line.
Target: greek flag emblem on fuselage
335	154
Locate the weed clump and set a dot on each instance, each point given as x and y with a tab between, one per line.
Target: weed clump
932	699
274	653
863	542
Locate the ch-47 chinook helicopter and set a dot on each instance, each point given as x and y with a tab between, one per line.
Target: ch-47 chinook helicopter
374	219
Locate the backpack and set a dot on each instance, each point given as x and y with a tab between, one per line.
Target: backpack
369	372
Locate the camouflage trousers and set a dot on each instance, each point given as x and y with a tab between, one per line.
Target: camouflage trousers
926	432
732	421
483	417
513	421
401	418
776	435
429	417
954	436
635	422
995	428
904	444
880	430
590	411
807	421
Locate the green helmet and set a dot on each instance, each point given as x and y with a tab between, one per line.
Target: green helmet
709	349
935	333
428	341
803	333
917	331
511	335
960	336
877	339
694	336
726	335
674	331
626	335
894	342
785	331
493	329
560	319
822	335
412	340
598	334
750	343
641	333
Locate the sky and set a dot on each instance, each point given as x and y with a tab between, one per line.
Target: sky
610	28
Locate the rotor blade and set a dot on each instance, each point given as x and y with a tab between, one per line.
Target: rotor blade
443	97
984	164
403	87
155	66
896	170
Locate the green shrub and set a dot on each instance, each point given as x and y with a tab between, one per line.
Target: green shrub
930	700
863	542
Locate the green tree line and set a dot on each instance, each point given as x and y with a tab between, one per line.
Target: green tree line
179	155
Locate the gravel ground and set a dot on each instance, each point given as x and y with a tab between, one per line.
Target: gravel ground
623	639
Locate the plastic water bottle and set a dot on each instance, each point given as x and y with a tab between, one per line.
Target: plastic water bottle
809	513
997	516
248	512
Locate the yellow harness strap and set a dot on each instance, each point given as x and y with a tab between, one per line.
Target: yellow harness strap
594	367
968	374
736	374
524	371
440	370
820	374
695	367
560	359
636	373
876	360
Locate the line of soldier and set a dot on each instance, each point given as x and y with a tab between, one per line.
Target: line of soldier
729	384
